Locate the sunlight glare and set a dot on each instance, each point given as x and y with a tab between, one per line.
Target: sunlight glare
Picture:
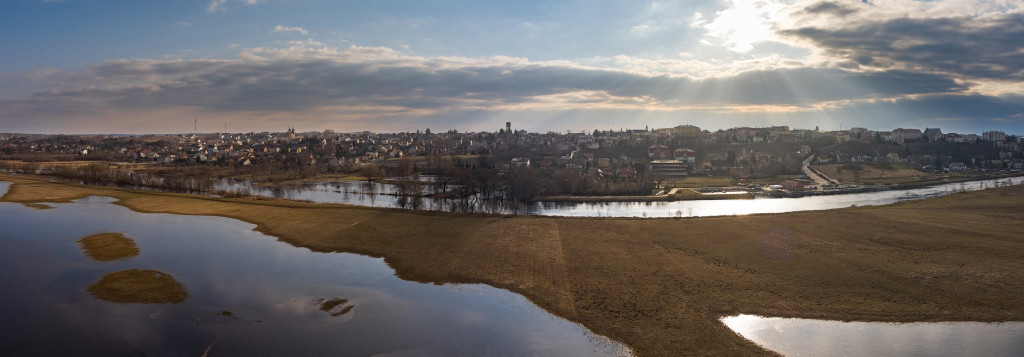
743	24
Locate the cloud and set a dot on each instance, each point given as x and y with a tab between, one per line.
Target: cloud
280	28
216	5
221	5
967	47
974	113
829	7
183	23
308	75
741	25
374	86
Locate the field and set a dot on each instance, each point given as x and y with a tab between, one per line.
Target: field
868	174
659	285
702	181
52	163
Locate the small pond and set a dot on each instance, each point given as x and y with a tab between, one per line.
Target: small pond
805	337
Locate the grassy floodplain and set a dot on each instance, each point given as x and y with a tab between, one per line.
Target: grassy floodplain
660	285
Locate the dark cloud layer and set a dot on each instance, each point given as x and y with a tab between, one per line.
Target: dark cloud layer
361	85
301	84
986	111
965	47
953	113
828	7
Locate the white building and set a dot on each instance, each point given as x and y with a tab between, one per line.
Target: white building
993	136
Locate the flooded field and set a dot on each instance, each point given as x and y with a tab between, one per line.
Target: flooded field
805	337
373	194
225	289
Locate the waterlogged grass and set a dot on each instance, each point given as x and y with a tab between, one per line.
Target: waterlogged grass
107	247
335	307
38	205
140	286
660	285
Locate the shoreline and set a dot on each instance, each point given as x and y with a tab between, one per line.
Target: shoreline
698	196
658	198
694	196
659	286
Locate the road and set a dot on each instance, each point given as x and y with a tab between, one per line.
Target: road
821	180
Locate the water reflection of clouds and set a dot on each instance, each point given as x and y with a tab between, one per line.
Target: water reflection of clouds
708	208
95	199
469	318
269	287
833	338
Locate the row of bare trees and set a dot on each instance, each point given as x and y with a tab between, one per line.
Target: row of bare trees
102	174
19	167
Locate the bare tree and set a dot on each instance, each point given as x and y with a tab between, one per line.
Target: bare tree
371	171
405	166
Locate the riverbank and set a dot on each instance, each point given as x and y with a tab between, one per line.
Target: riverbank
966	180
962	179
900	176
660	285
690	195
710	193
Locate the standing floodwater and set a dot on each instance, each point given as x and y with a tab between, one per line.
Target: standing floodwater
244	293
373	194
806	337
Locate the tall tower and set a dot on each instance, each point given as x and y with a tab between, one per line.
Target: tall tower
508	127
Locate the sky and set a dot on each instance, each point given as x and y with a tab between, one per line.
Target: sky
176	66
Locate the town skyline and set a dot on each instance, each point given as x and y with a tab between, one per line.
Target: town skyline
496	129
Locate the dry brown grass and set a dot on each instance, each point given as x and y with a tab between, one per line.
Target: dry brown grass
895	174
660	285
54	163
139	286
702	181
899	175
107	247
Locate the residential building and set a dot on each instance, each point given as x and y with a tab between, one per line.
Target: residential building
901	135
993	136
685	155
